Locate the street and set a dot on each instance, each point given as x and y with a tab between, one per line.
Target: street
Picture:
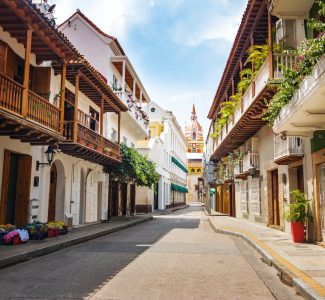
175	256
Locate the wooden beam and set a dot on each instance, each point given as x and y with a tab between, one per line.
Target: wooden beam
270	34
76	101
24	108
119	128
62	98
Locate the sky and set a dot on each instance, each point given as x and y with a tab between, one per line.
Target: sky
179	48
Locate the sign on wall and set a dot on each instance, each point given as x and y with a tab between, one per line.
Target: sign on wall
243	196
255	196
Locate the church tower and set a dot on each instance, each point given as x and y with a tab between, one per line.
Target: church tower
195	149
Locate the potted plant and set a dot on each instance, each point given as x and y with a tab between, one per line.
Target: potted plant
299	211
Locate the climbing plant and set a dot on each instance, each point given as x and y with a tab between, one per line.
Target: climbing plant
308	54
134	167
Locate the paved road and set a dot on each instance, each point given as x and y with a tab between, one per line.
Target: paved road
176	256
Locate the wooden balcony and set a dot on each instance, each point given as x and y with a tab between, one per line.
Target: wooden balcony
287	149
82	142
247	118
38	125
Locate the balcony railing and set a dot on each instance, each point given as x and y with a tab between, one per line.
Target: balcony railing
10	94
42	111
249	160
259	83
89	138
136	113
288	149
238	170
39	110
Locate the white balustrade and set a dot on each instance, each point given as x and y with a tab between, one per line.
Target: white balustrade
262	77
133	109
251	159
283	60
290	146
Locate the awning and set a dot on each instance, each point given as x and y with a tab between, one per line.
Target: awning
179	188
179	164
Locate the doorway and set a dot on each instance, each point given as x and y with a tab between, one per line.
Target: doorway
275	197
124	195
15	192
232	200
300	179
52	193
321	173
132	199
156	196
82	198
113	198
99	200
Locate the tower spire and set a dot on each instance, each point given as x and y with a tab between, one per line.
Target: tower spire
193	112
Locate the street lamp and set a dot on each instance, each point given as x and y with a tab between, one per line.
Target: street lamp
49	153
251	170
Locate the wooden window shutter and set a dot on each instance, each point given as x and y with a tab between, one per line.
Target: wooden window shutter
41	79
11	63
3	56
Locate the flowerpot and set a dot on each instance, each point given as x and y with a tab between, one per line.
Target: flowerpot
298	232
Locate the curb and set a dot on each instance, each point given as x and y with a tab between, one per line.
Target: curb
171	210
285	274
7	262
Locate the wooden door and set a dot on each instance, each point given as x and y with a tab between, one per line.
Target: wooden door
226	199
23	189
132	198
232	200
40	81
113	198
15	192
52	194
156	196
300	179
124	194
275	198
5	187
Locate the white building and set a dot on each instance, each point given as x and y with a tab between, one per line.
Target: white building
166	147
44	106
106	54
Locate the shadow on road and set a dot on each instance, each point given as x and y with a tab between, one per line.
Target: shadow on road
78	271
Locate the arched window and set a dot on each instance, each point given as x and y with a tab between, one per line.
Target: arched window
192	170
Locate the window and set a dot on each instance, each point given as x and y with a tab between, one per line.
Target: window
153	109
93	119
192	170
114	84
114	135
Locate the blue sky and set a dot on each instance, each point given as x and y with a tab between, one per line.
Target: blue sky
178	47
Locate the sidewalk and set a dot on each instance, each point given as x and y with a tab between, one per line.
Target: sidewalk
10	255
302	265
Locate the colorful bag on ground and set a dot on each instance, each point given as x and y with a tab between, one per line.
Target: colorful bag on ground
8	238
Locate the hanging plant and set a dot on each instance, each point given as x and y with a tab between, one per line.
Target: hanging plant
308	53
134	168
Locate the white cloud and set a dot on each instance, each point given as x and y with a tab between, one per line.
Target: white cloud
210	29
113	16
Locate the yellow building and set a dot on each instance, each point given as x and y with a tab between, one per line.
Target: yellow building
194	138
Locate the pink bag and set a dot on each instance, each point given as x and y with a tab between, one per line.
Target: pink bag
7	239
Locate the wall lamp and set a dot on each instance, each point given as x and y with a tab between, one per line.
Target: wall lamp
49	156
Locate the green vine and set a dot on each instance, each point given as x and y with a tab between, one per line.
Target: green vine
308	54
257	55
134	167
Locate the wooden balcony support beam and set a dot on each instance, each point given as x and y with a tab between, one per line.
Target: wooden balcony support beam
24	108
62	98
76	101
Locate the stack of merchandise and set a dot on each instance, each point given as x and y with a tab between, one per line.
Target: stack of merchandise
56	228
37	231
10	235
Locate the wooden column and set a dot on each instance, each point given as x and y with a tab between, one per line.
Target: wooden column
24	107
134	89
76	98
241	101
270	34
141	98
119	128
62	97
101	120
123	80
253	82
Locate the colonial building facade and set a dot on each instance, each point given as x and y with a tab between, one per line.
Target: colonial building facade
257	165
194	155
166	147
53	146
105	53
